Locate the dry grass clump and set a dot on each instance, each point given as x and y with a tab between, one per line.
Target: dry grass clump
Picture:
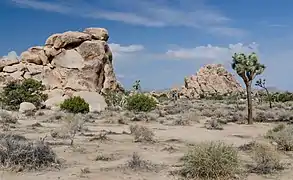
181	122
213	124
211	160
141	133
282	135
7	118
16	152
136	163
266	157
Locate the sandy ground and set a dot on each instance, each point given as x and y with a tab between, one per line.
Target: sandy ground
79	159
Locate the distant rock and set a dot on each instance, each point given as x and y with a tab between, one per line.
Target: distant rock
210	79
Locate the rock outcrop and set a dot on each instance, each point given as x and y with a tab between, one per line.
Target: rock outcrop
209	80
69	61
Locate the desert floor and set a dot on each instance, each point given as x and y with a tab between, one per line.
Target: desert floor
104	145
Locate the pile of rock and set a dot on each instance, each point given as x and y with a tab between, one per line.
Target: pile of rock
69	63
209	80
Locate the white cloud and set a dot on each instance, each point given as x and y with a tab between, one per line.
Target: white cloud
211	53
160	13
12	55
125	52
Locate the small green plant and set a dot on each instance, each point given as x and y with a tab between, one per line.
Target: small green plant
75	104
210	160
16	92
140	102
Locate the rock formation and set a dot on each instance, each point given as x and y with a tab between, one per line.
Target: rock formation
69	61
210	79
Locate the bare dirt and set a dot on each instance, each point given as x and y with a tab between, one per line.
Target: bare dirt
117	147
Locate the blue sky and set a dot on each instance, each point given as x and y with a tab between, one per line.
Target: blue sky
162	41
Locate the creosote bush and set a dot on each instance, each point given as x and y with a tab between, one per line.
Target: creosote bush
16	92
17	152
210	160
75	105
141	102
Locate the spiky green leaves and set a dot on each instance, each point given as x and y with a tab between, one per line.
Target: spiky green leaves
247	66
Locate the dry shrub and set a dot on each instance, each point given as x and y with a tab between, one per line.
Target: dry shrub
137	163
72	125
267	158
141	133
282	135
7	118
17	152
210	160
213	124
193	117
181	122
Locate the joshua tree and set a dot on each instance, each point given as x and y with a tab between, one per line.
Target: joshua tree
262	83
247	67
136	86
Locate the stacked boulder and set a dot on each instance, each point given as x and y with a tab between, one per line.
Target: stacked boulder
69	63
211	79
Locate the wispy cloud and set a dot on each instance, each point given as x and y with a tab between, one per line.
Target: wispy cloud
209	53
160	13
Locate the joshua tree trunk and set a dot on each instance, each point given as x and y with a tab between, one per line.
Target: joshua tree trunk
269	96
249	102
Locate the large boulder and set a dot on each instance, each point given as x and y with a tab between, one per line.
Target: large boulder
98	33
70	62
209	80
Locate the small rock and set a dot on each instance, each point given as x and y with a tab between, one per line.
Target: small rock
26	106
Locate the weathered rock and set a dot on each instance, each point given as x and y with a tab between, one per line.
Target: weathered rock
96	101
26	106
68	62
7	62
55	101
35	55
69	59
98	33
68	39
209	80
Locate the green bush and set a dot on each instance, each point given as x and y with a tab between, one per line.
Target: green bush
280	97
210	160
16	92
140	102
75	105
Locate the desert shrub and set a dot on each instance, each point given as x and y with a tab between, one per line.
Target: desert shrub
16	92
266	157
281	97
114	99
213	124
210	160
141	133
283	136
136	163
141	102
18	152
75	104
